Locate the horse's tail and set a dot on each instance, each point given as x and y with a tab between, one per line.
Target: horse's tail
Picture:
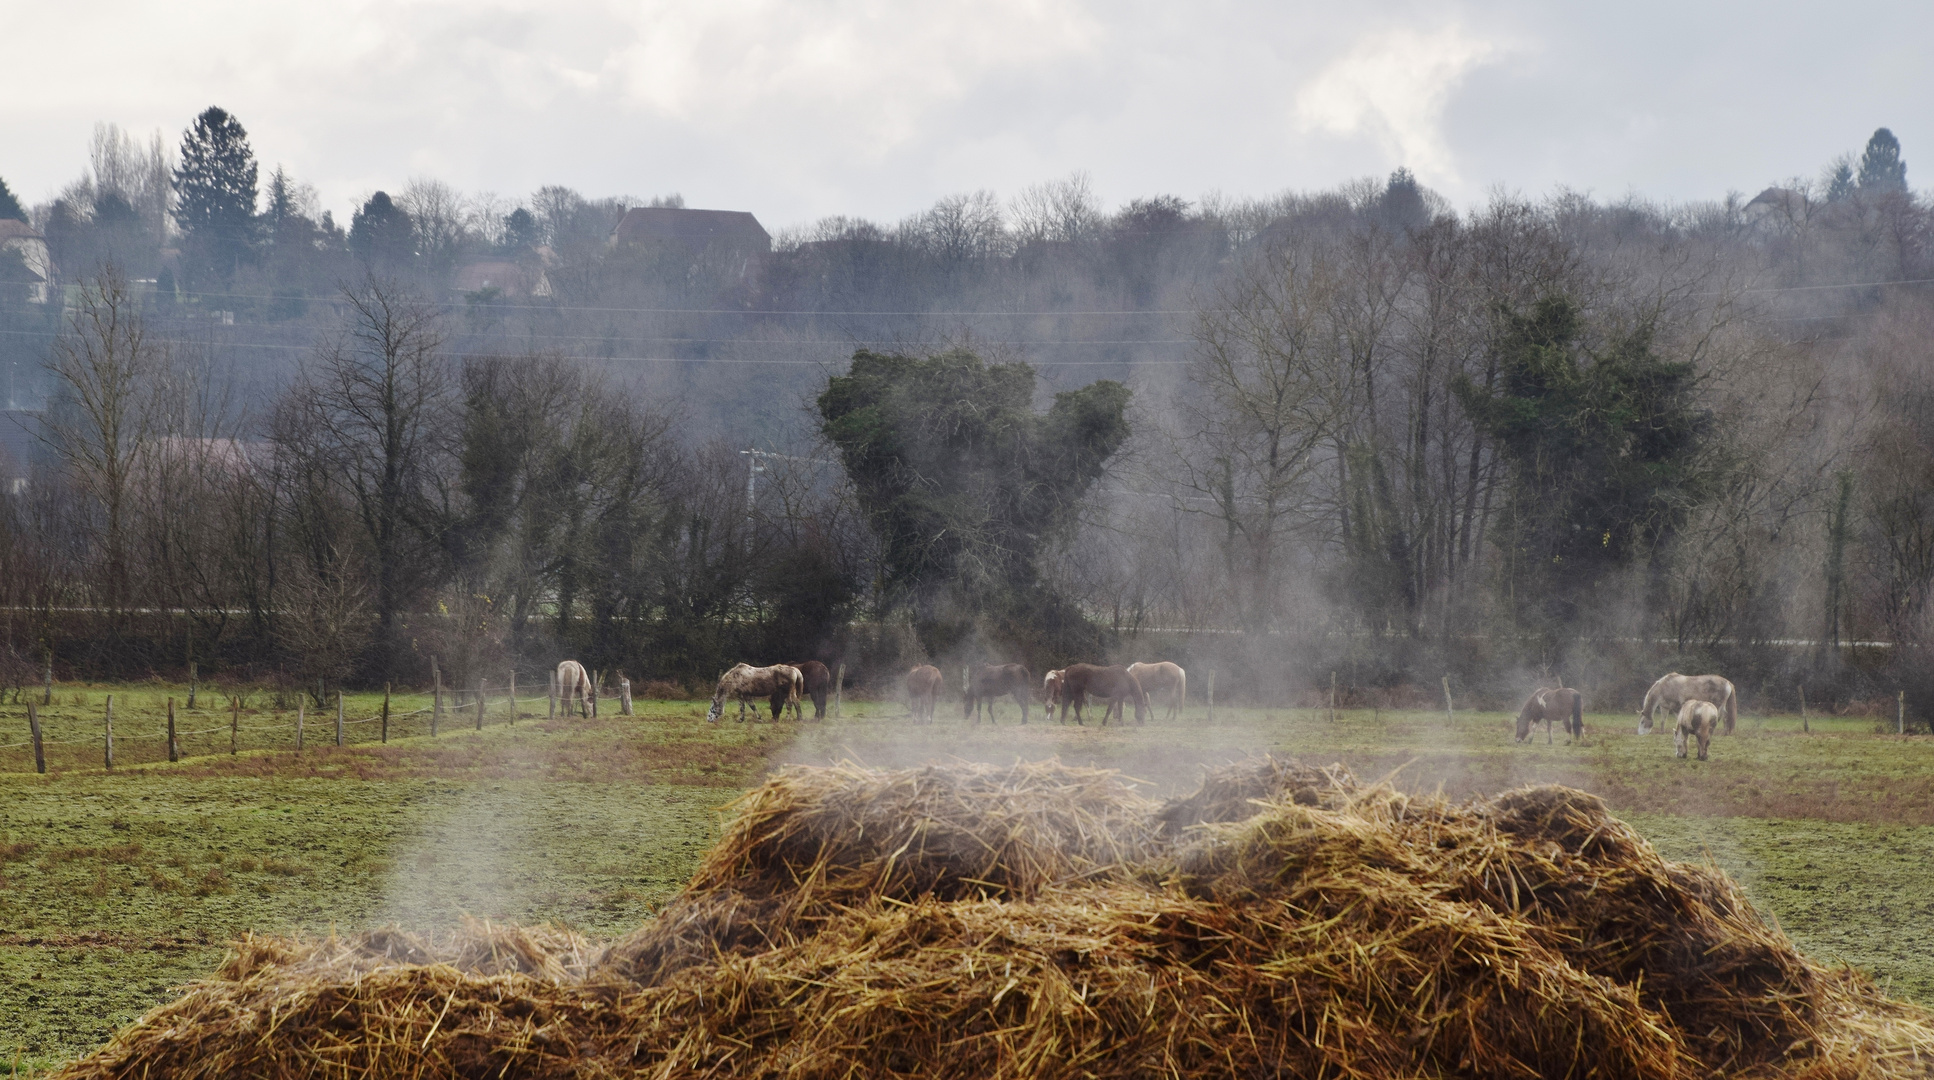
1181	688
1732	706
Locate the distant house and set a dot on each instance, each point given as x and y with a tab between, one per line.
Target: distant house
501	277
20	237
1777	205
730	239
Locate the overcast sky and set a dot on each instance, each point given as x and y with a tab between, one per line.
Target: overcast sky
800	108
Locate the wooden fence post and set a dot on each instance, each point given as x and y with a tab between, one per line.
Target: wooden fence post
624	694
480	702
1803	723
234	721
1332	697
47	674
513	695
550	712
109	757
1900	713
839	685
1450	715
300	705
385	712
174	747
194	680
339	718
33	726
597	687
436	696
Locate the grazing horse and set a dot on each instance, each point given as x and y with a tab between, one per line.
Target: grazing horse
574	682
1564	704
923	692
1051	689
1113	685
818	682
1163	676
1674	690
1696	719
781	684
988	683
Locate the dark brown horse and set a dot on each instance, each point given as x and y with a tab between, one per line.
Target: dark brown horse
1565	705
819	682
923	692
1113	685
988	683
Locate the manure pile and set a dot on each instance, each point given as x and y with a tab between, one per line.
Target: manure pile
1046	921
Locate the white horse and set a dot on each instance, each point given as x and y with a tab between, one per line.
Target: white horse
1696	719
574	681
1673	690
780	684
1163	676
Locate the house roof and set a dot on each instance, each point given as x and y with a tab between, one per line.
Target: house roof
16	229
693	228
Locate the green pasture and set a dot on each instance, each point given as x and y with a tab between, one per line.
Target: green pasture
117	886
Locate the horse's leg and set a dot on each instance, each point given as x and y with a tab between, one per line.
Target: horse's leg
1023	697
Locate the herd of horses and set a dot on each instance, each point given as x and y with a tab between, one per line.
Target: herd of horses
1701	703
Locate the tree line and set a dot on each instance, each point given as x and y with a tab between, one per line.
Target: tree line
1536	438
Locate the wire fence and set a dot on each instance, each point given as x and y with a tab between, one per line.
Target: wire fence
108	745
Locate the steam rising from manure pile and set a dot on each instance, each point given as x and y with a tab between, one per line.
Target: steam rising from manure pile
1041	920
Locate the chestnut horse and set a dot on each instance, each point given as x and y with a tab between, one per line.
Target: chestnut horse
1113	685
1564	704
1163	676
780	684
1051	689
988	683
819	681
1697	719
573	682
1673	690
923	692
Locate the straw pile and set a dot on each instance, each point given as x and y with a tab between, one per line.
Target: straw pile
968	921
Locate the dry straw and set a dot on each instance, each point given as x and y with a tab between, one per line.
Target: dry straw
1035	921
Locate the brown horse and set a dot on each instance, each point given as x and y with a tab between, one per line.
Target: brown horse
988	683
923	692
1163	676
780	684
819	682
1696	719
1564	704
1113	685
1673	690
574	683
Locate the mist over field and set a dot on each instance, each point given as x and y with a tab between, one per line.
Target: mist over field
1355	441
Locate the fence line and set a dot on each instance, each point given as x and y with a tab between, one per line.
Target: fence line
484	694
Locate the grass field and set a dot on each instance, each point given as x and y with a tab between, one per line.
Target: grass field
115	887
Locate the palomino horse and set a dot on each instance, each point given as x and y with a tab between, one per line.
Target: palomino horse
923	692
818	682
781	684
988	683
1163	676
1696	719
1564	704
1113	685
1674	690
574	682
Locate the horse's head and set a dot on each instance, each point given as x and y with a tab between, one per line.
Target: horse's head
1051	687
718	706
1525	718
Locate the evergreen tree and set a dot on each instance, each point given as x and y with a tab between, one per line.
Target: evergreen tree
1402	204
966	485
1881	169
1604	451
281	200
521	231
381	234
9	206
1840	179
215	189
